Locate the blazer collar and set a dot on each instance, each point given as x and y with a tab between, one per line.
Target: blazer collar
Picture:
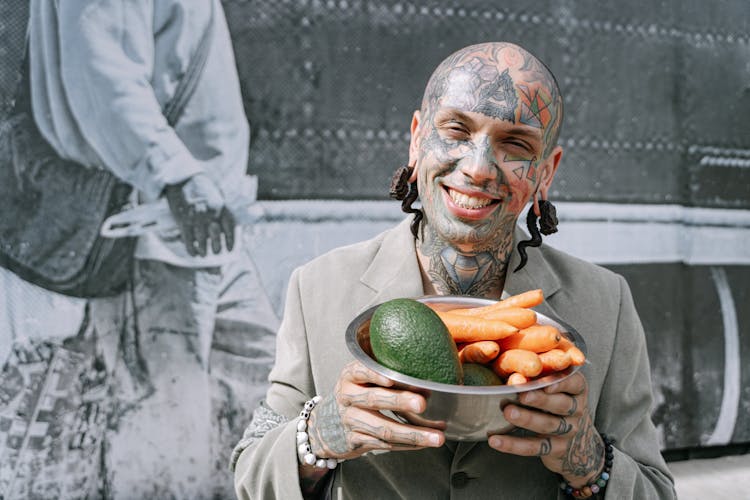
394	271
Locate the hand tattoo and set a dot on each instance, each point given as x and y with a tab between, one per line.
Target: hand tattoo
574	407
563	428
326	428
585	450
545	447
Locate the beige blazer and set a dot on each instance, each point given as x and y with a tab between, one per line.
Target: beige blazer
325	294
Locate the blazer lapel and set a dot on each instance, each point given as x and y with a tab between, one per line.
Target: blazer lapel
535	274
394	271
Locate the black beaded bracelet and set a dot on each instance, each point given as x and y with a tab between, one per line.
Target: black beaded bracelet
598	484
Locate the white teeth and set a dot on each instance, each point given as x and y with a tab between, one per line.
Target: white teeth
465	201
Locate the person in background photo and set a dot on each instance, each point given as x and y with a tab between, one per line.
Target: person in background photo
483	145
181	358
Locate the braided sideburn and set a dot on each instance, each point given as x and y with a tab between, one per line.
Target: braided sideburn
401	189
406	207
547	225
535	241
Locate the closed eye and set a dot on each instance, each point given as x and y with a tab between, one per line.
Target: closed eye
519	144
455	130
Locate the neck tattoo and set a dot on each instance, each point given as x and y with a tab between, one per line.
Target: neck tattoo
465	270
456	272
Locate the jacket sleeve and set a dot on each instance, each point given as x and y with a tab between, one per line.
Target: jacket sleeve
106	61
268	468
624	413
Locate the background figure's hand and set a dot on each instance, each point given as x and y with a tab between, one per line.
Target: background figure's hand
566	440
348	423
198	207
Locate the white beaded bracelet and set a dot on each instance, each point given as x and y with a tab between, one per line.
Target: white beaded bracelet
304	452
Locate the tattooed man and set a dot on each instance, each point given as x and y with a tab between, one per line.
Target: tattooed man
483	145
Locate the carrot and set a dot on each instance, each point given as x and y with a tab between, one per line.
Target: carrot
482	351
466	329
516	378
537	338
530	298
520	317
565	343
517	316
522	300
577	358
554	360
525	362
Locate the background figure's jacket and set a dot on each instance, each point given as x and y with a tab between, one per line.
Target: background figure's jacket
102	71
325	294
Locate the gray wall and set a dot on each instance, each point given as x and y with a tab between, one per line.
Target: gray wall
655	181
656	92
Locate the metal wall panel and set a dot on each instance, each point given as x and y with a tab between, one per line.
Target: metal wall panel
697	346
655	91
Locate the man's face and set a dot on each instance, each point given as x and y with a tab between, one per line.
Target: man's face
481	145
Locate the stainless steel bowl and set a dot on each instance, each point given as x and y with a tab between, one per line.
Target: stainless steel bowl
465	413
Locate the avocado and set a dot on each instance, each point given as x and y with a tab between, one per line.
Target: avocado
408	337
477	374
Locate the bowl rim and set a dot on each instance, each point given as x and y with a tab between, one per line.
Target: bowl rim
360	355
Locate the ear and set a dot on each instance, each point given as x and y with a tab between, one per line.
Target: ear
549	169
414	144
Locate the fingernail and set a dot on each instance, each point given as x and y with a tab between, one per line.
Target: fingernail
496	442
514	413
529	397
434	439
415	405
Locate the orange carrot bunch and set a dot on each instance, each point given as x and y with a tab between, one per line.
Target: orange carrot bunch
506	337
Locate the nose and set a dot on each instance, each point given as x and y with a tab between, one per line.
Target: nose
480	164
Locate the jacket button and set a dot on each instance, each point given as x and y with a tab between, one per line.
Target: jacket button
459	479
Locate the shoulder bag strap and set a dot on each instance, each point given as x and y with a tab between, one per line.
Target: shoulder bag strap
189	81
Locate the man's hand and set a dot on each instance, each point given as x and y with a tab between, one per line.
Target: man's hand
348	423
198	207
566	440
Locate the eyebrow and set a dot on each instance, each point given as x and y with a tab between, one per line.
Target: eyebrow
453	113
530	132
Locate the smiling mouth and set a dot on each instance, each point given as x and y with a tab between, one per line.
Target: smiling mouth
469	202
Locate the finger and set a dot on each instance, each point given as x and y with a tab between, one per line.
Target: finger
559	403
575	384
226	221
377	398
523	446
214	235
364	443
200	235
538	421
416	419
375	424
358	373
573	410
188	237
